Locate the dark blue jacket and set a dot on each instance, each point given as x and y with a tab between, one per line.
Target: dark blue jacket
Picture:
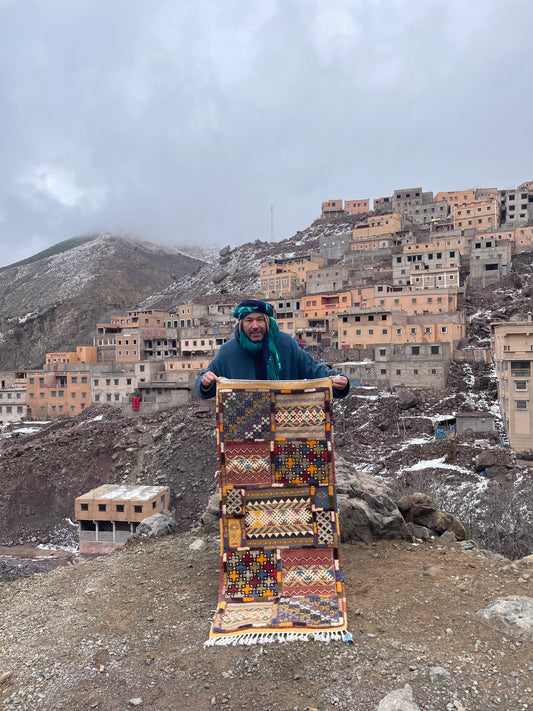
235	363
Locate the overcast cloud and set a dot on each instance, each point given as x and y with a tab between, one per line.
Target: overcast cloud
184	122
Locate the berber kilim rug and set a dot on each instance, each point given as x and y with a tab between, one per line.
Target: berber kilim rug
280	569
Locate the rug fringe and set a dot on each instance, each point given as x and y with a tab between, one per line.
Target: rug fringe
326	636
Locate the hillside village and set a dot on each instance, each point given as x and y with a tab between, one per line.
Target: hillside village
383	300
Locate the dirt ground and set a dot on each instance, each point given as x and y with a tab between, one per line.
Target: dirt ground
127	630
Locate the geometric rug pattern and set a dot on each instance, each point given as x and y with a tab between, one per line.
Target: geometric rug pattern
280	563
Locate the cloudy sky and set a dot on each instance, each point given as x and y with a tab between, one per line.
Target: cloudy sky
183	122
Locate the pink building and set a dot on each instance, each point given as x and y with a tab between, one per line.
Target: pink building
356	207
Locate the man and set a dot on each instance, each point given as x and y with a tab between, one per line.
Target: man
259	351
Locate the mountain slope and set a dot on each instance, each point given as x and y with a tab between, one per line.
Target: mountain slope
53	301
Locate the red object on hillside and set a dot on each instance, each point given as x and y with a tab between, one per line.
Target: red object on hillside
135	402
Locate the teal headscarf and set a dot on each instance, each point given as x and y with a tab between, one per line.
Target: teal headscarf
268	346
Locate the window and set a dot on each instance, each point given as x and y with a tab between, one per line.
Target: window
102	507
382	352
84	379
138	509
521	404
370	331
74	379
427	329
520	384
415	350
398	372
120	508
96	382
413	331
435	350
85	507
444	329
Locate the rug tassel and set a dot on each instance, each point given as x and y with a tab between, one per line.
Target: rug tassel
250	638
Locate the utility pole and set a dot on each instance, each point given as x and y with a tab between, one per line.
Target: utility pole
272	243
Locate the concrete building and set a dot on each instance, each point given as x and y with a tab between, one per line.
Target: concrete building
480	214
58	390
108	515
407	299
457	197
516	206
489	261
356	207
13	406
521	238
334	278
138	335
444	260
284	278
417	365
383	205
334	246
368	328
204	339
379	244
512	344
418	207
378	225
332	208
190	314
112	386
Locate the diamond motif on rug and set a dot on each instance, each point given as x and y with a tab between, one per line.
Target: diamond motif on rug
301	462
251	573
246	415
312	610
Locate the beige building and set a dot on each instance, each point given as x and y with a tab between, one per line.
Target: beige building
481	214
512	343
368	328
286	277
457	197
332	208
378	225
108	515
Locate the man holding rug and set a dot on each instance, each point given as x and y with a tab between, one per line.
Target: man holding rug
260	351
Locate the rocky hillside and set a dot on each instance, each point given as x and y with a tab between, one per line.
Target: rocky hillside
234	273
53	300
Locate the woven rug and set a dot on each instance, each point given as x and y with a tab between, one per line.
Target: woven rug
280	569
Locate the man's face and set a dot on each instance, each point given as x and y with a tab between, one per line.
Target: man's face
254	326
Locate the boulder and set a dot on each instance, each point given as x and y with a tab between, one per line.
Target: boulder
486	459
440	521
155	526
367	511
407	399
418	504
422	510
399	700
421	532
512	616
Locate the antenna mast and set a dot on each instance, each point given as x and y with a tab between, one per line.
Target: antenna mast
272	243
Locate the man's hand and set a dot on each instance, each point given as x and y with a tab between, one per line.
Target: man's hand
339	382
209	379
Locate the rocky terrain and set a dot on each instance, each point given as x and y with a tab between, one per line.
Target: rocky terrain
127	630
